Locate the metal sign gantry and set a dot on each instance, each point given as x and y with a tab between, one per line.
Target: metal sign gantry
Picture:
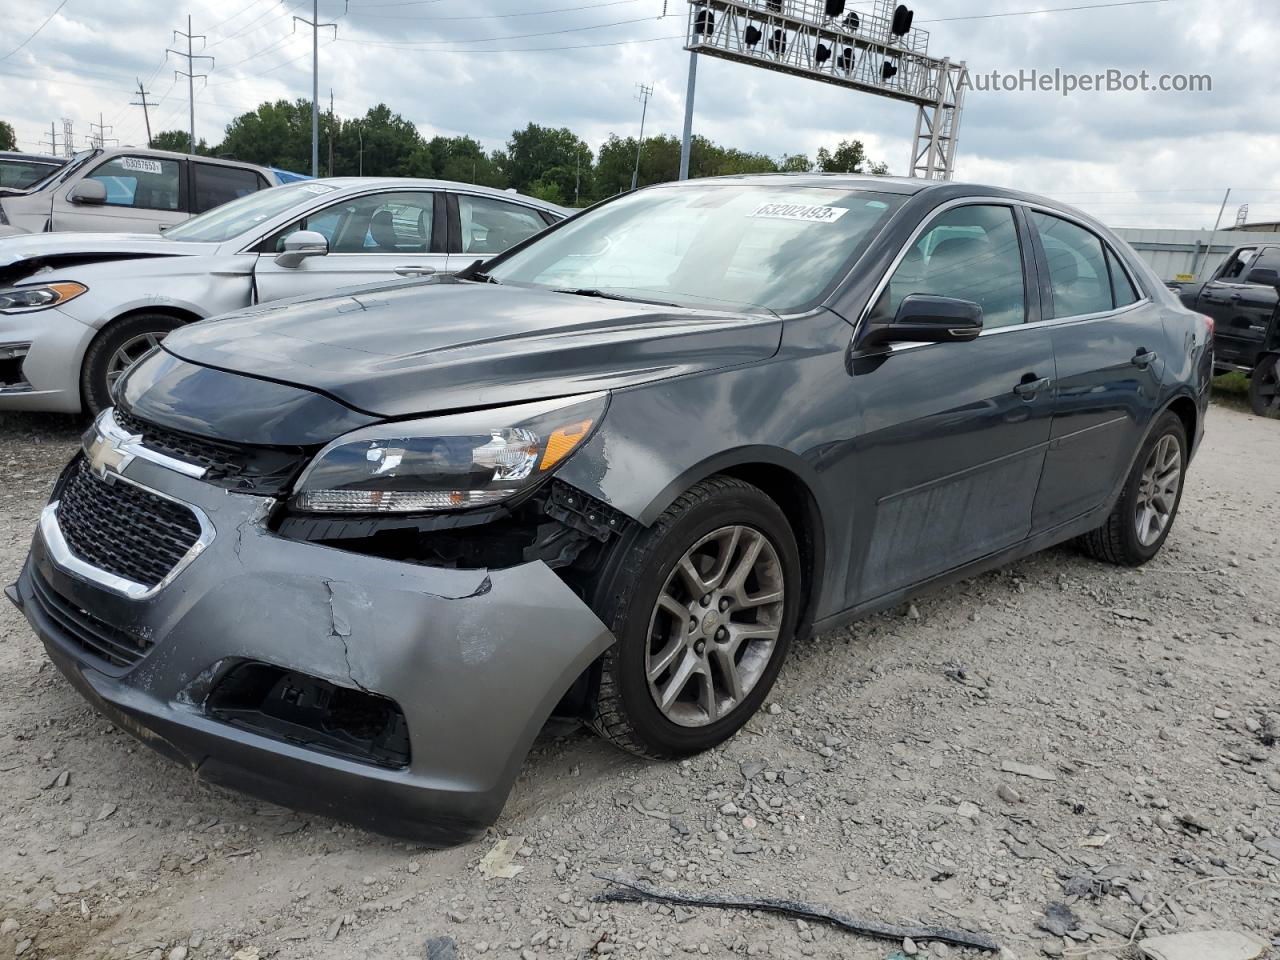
847	48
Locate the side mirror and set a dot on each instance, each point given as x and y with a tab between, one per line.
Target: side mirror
923	318
1263	276
300	245
89	191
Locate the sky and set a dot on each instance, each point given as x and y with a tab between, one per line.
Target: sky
486	67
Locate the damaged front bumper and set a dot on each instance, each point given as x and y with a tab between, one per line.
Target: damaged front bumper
473	660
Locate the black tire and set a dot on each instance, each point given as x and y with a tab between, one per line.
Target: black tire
1264	387
622	709
95	392
1117	540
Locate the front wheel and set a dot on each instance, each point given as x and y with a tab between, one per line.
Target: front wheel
1140	523
704	606
116	347
1264	387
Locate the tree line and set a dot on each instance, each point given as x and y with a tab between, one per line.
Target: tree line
551	163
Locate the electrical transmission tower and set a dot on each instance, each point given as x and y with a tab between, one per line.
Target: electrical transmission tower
99	139
191	57
68	148
315	25
142	102
645	91
53	140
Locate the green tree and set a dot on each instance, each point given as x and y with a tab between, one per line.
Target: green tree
389	144
275	134
554	157
849	157
8	141
179	141
794	163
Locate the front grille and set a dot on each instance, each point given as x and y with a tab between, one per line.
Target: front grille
267	471
96	637
213	456
124	529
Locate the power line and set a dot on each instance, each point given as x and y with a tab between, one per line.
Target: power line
516	36
487	16
34	33
1028	13
142	92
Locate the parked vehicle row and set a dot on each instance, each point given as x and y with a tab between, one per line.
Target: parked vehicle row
349	550
1242	298
76	309
128	190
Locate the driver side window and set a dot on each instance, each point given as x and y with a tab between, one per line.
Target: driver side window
968	253
380	223
1234	269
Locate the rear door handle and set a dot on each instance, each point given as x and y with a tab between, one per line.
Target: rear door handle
412	270
1144	358
1028	388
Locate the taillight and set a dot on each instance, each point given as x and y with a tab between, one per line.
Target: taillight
1208	325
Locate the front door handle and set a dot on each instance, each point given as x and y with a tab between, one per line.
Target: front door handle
1030	386
1144	358
412	270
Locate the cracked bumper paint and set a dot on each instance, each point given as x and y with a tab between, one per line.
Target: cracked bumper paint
476	660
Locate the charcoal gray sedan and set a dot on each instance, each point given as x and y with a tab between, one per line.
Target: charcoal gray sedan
351	552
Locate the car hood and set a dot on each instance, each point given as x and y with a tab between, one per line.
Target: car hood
46	249
410	348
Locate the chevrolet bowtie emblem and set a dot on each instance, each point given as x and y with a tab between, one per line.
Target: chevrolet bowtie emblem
108	453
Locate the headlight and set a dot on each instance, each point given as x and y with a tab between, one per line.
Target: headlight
447	463
39	297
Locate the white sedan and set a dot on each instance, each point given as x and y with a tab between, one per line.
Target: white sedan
77	309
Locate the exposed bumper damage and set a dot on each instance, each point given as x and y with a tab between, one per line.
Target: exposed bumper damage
465	665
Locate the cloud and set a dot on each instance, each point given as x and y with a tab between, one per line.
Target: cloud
468	66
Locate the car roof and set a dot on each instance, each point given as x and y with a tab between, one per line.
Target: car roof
151	152
364	183
40	157
905	186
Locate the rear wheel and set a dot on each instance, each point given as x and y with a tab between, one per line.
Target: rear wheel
114	350
1140	523
704	607
1264	387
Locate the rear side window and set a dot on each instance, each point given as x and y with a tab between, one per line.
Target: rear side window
144	183
1078	270
1121	286
1268	259
968	253
492	226
215	185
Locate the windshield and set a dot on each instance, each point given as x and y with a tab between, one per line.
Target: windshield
21	173
61	173
241	215
727	246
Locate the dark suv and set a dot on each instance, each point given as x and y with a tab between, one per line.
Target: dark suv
350	552
1241	298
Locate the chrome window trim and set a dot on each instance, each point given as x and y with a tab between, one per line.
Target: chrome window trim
328	199
60	553
1003	202
1106	246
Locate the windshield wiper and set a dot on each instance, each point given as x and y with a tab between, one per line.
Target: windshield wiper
473	272
605	295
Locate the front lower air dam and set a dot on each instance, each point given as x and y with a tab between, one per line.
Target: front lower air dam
453	671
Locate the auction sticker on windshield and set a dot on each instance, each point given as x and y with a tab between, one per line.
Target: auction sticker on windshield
141	165
811	213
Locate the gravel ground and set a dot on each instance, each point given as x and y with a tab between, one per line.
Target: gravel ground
1055	733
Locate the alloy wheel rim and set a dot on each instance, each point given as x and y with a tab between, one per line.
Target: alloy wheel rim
129	353
1158	490
715	626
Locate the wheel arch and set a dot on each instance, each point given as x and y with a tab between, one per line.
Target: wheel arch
784	478
181	314
1184	405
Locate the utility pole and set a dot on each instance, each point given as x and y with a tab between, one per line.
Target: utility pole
577	175
191	76
331	131
142	102
686	143
53	139
99	139
315	25
360	136
643	96
1213	236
